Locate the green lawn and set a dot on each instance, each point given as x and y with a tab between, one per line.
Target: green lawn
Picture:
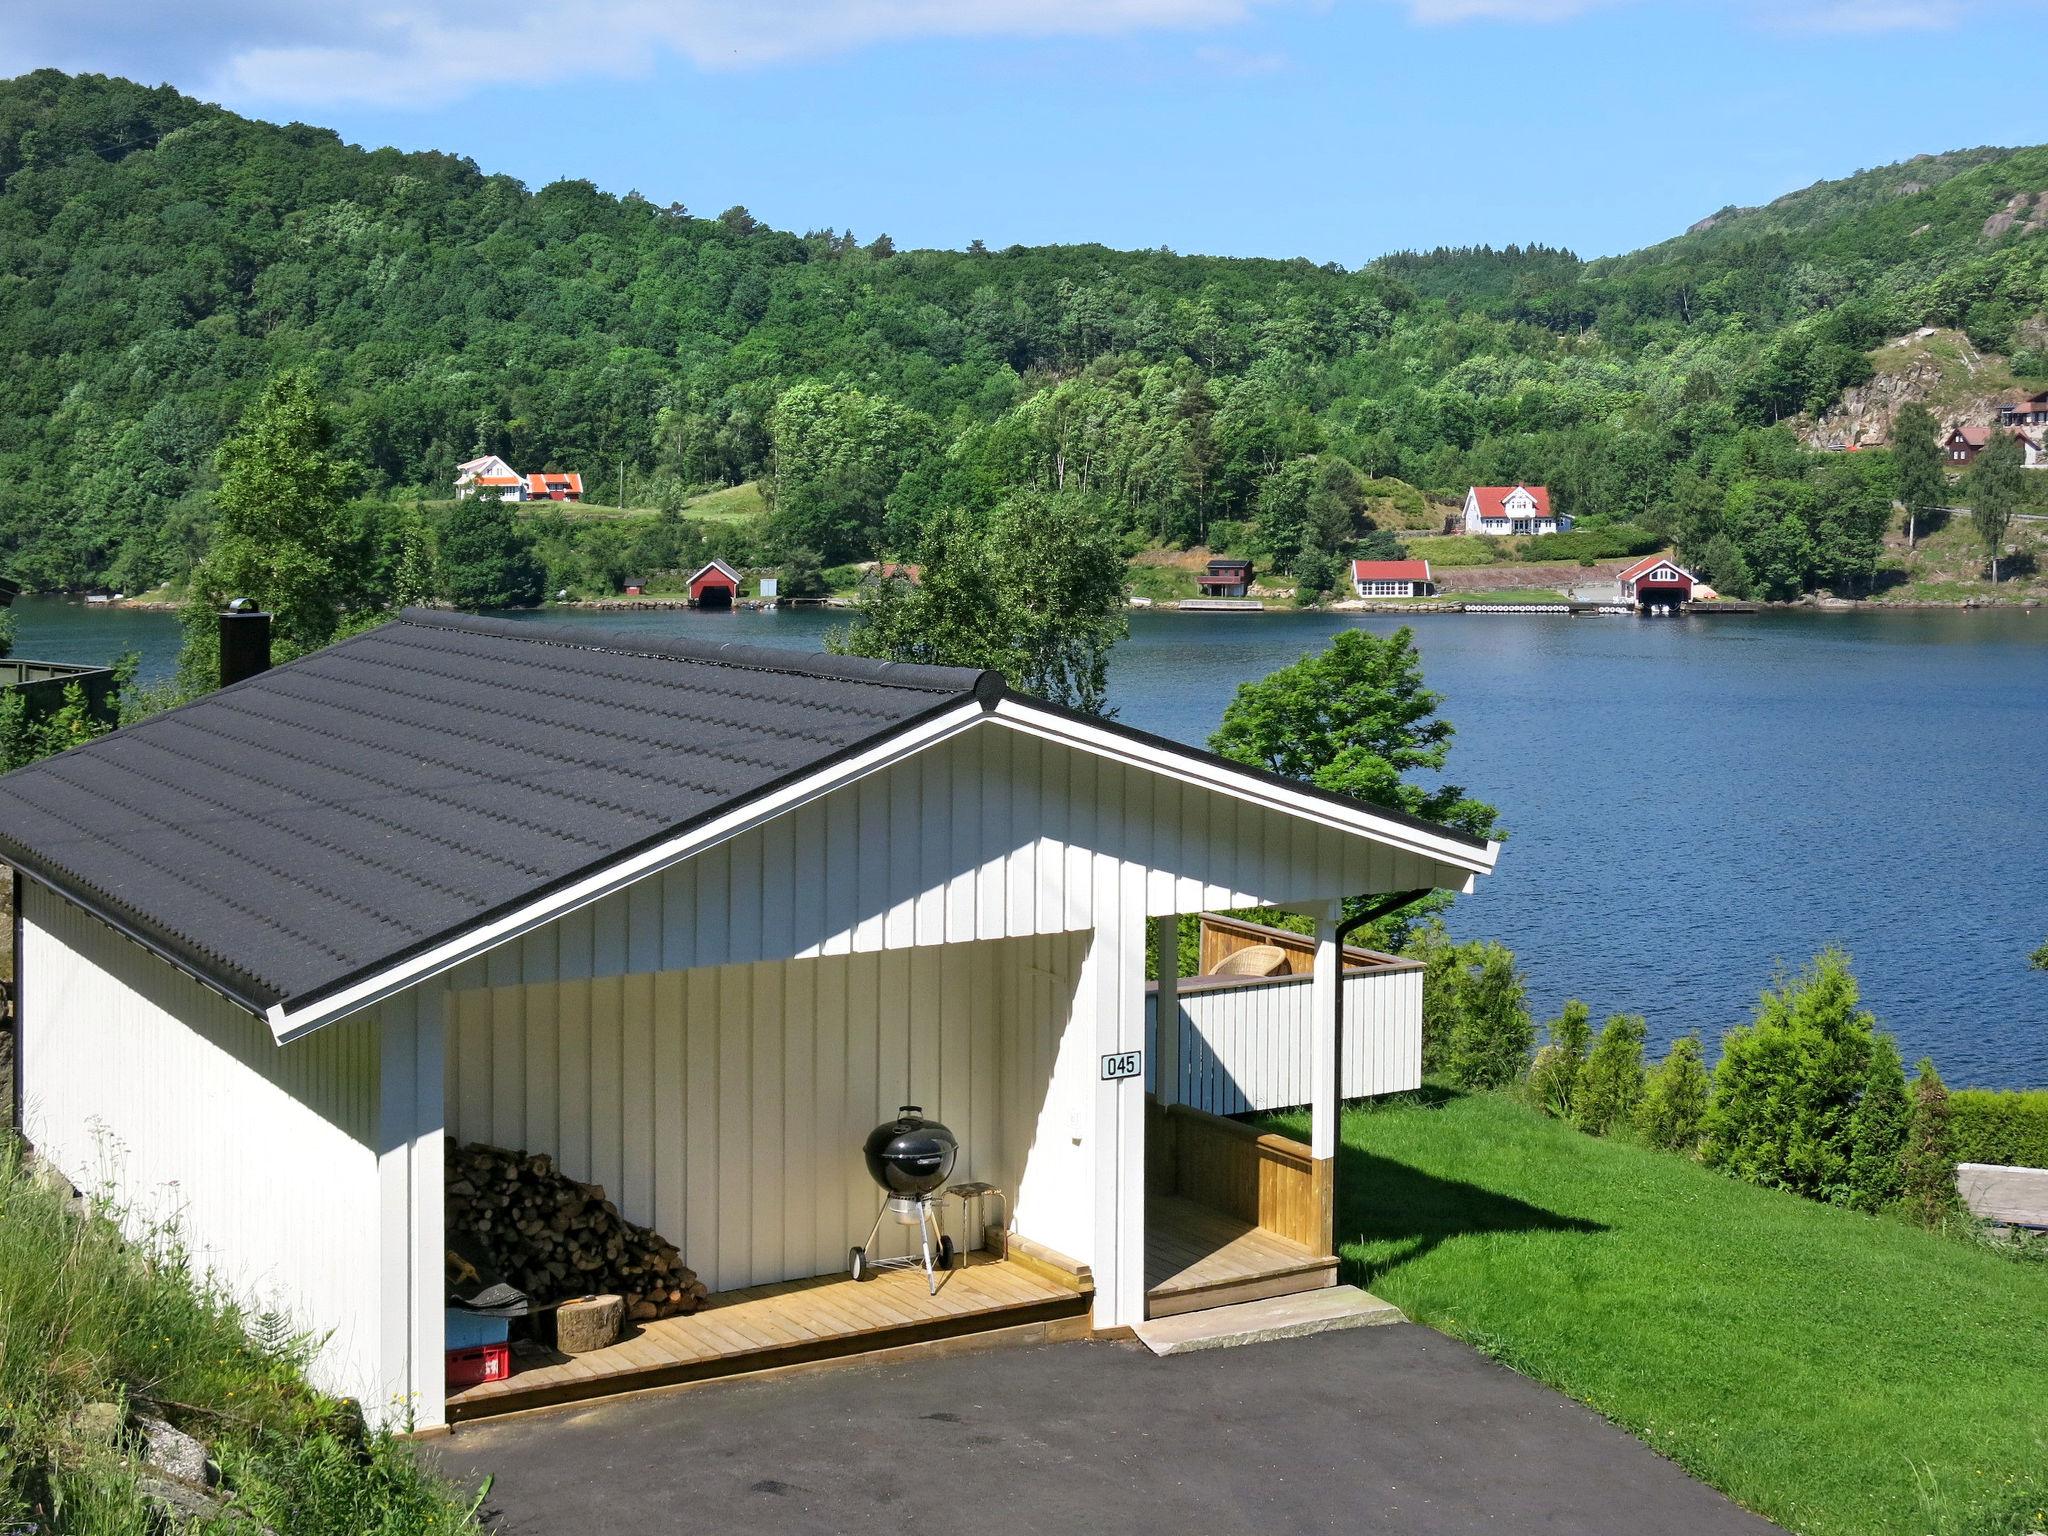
730	503
1838	1373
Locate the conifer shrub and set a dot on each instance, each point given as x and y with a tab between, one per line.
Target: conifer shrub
1673	1110
1554	1074
1877	1129
1927	1162
1788	1084
1611	1086
1491	1031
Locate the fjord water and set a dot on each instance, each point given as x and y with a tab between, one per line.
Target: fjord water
1690	802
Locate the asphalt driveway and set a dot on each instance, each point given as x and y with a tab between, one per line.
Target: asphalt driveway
1378	1429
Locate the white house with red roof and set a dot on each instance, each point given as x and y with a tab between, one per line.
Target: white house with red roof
489	476
1512	509
1391	578
1657	581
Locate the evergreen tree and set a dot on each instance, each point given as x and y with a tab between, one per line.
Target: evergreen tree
1676	1093
1554	1075
1877	1130
1916	459
487	559
1927	1162
1612	1084
1491	1032
1993	486
1788	1084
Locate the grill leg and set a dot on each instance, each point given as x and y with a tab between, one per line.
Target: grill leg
879	1214
924	1242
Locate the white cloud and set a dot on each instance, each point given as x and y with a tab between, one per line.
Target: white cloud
305	54
1777	15
1873	15
401	52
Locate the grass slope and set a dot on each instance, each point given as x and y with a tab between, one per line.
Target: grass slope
1842	1374
90	1318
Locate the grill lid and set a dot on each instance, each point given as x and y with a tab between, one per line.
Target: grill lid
910	1155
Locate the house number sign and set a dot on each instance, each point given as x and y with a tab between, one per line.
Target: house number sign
1123	1064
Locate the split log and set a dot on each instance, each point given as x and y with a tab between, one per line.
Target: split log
557	1238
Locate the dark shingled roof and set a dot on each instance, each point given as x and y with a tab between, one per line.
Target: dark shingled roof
313	824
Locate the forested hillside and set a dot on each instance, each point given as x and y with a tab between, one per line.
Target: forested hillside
160	259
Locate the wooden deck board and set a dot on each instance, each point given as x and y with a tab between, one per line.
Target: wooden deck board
762	1327
1195	1256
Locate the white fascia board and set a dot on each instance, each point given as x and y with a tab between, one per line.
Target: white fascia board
1157	755
288	1024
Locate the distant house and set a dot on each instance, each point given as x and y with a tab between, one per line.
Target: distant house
895	570
636	587
554	485
2033	445
488	476
1657	581
2025	411
714	586
1512	509
1965	443
1391	578
1226	578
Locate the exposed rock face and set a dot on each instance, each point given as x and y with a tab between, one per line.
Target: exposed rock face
1944	369
2030	206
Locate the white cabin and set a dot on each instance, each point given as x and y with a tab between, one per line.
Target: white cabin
689	918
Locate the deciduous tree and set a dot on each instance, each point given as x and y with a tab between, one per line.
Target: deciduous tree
1355	719
1036	592
281	534
1916	459
1992	484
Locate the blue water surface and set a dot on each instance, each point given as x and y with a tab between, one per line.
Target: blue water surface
1691	803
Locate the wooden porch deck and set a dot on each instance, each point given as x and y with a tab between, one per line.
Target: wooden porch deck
798	1321
1196	1257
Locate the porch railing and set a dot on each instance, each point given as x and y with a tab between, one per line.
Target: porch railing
1245	1042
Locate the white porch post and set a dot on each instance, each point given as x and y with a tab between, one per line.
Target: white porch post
1326	1079
411	1280
1114	982
1166	1011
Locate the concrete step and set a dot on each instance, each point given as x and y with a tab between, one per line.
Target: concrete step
1280	1317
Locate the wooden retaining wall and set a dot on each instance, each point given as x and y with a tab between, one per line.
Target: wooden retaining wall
1270	1181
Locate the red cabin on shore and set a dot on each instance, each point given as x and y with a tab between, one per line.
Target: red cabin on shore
1657	581
716	585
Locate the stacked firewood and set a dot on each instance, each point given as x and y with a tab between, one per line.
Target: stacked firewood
556	1238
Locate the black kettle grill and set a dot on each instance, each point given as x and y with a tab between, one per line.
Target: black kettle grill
911	1158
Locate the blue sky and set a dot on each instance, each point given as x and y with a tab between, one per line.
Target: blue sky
1333	129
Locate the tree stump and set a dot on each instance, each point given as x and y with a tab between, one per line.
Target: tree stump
591	1322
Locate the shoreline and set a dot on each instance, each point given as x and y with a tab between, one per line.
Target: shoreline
1350	605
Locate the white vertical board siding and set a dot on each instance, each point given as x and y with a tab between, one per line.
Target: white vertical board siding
726	1106
1248	1047
177	1105
993	834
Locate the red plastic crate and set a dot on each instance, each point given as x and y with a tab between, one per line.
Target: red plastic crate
484	1362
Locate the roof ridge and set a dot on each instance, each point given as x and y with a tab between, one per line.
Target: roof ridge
984	684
